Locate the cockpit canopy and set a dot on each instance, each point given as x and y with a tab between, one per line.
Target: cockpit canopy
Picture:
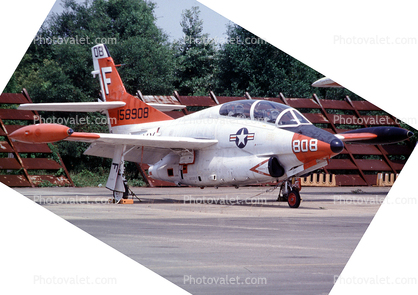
264	111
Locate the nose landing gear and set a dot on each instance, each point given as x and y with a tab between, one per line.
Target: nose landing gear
289	192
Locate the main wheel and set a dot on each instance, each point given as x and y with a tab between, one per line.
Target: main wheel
118	195
122	195
293	199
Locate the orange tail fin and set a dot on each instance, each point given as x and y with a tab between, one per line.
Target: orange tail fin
135	111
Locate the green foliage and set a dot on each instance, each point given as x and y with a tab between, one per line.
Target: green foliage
248	63
129	29
196	57
148	66
132	175
46	183
99	175
88	178
60	172
55	153
136	182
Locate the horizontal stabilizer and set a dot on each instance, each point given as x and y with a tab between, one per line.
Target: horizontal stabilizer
87	107
84	107
166	107
375	135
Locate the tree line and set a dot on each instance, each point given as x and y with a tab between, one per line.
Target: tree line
58	62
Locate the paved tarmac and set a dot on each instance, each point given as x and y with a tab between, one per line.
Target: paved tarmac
226	240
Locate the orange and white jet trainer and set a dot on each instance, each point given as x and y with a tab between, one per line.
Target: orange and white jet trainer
237	143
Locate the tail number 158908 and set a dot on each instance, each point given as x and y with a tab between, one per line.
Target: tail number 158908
132	114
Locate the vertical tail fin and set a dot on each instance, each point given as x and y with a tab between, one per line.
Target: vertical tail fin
135	111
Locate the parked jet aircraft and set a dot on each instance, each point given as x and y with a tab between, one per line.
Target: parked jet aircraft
233	144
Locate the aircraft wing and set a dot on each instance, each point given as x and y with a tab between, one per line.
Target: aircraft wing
140	140
46	133
87	107
136	154
72	106
375	135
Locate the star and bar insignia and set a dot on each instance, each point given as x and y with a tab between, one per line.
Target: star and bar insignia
241	137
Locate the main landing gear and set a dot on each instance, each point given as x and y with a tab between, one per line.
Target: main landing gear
122	195
289	192
118	196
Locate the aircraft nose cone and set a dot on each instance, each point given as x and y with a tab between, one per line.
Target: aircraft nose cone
336	145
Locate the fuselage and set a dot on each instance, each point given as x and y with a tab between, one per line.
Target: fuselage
258	141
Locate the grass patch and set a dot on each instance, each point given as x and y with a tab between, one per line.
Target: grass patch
87	178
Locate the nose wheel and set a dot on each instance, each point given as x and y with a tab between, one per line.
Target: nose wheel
293	199
289	191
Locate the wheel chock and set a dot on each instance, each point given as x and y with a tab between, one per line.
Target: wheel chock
123	201
126	201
